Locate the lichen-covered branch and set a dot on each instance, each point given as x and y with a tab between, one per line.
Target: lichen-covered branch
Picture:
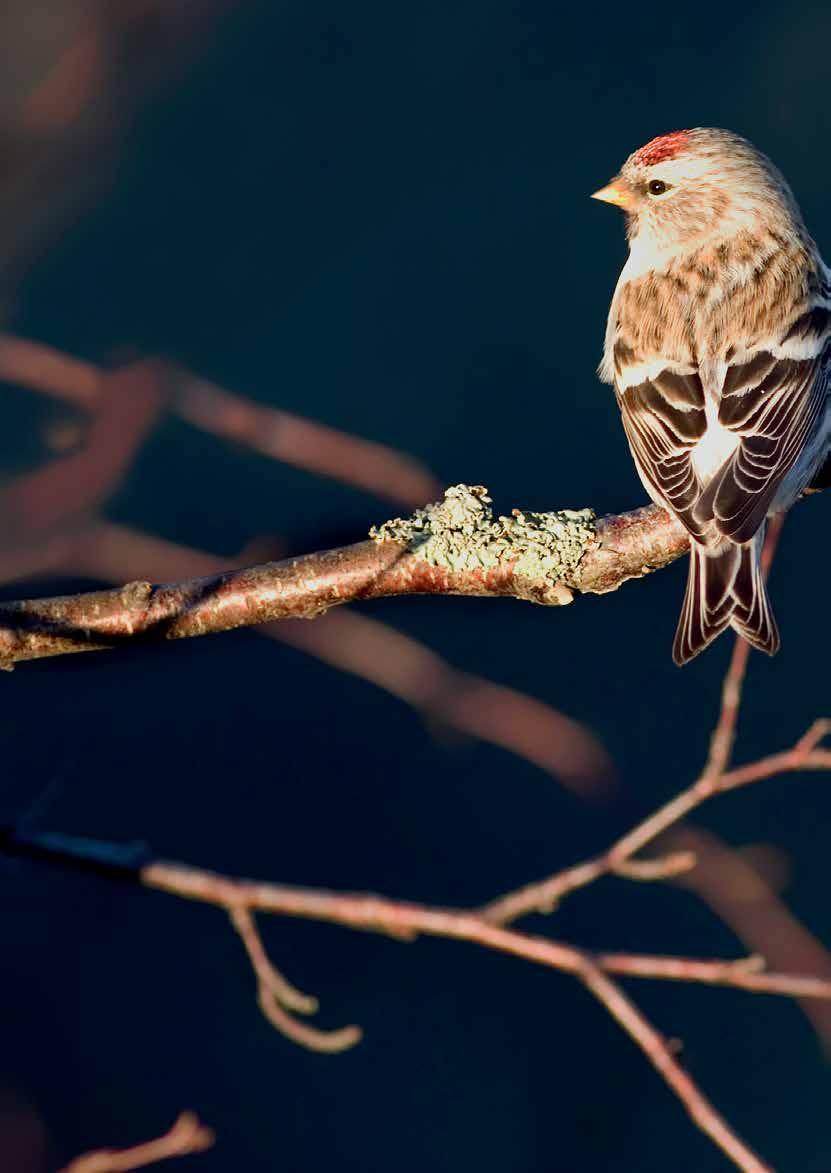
455	547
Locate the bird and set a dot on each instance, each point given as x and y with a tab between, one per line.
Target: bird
718	346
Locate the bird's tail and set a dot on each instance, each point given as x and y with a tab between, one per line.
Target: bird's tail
725	588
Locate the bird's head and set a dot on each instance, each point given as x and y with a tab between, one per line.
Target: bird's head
693	187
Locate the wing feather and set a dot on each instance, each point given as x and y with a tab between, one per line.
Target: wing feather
664	419
774	405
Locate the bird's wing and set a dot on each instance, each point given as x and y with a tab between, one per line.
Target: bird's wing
664	418
774	400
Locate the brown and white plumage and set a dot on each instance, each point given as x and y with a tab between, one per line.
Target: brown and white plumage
719	347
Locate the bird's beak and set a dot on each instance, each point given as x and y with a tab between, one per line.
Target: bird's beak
616	193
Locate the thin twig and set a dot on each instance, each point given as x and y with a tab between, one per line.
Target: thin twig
186	1136
748	973
724	734
661	1056
545	895
277	997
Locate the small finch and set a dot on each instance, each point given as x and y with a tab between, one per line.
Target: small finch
719	348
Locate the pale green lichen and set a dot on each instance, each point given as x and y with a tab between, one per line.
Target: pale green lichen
461	533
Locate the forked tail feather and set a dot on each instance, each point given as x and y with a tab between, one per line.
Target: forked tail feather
725	588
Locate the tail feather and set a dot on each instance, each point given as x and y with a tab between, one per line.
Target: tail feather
725	588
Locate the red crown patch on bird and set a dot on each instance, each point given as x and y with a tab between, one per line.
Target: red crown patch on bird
665	146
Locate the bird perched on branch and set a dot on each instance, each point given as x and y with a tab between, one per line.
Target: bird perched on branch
719	348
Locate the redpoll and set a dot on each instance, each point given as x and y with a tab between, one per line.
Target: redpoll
719	348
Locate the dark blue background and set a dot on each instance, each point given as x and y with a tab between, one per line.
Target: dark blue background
375	214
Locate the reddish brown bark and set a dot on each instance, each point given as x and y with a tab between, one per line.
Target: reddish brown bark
626	546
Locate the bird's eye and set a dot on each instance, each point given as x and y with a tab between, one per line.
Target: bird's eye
657	187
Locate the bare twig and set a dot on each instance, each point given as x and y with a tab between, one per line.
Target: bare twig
544	895
186	1136
277	997
748	973
724	734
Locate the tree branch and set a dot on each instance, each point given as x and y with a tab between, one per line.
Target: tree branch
455	547
405	921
